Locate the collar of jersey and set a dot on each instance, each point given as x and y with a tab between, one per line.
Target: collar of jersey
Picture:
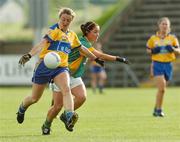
158	35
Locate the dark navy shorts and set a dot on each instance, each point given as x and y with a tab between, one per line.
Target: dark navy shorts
96	69
43	75
161	68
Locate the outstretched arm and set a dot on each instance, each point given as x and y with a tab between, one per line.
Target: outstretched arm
104	56
87	53
108	57
35	50
90	55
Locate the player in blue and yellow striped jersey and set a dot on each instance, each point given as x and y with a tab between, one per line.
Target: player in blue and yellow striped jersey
62	41
162	47
77	62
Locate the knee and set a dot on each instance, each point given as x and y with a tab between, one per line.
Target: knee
57	108
162	90
82	98
104	77
66	90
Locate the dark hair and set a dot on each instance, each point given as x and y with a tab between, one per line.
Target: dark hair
87	27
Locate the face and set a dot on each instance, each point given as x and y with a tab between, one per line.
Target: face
65	21
164	26
93	35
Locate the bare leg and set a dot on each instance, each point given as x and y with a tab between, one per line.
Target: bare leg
94	82
102	78
62	81
69	117
80	95
37	91
161	85
56	107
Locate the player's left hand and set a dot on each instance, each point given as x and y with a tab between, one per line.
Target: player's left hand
25	58
122	59
169	48
156	50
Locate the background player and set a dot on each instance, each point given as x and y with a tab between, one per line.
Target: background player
98	73
162	47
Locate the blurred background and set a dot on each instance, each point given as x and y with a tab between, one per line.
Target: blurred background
126	26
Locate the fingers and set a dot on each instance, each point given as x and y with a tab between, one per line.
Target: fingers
22	61
100	62
25	58
127	62
122	59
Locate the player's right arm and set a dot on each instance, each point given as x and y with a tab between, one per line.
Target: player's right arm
35	50
38	47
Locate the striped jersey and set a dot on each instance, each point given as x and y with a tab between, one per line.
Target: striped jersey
164	55
76	59
60	42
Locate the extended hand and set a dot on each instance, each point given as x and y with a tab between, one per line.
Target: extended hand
122	59
25	58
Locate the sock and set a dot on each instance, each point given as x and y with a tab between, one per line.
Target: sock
101	88
68	114
159	110
47	123
21	109
155	110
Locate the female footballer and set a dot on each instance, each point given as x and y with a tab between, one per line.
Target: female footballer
61	40
98	73
162	47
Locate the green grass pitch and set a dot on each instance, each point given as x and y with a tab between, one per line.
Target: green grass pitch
119	115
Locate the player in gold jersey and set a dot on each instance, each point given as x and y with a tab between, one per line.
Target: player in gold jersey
162	47
62	41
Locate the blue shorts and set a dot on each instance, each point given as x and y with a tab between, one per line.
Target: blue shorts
43	75
160	68
96	69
